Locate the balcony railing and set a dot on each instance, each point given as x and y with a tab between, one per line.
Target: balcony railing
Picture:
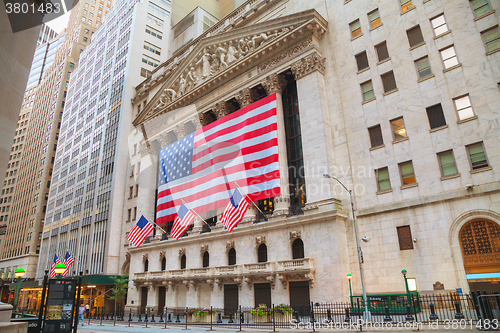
304	264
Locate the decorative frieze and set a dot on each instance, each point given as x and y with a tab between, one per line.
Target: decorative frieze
282	57
308	65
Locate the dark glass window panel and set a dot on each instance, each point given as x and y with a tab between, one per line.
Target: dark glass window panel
376	136
436	116
183	261
415	36
206	259
231	257
388	81
262	253
382	52
362	61
298	249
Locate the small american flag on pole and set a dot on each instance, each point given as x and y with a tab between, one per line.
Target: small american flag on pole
235	210
182	221
53	266
140	231
67	261
201	168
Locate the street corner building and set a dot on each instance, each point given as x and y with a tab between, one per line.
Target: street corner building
398	102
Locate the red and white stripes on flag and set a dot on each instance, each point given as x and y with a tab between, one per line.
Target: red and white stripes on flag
53	266
140	231
182	222
235	210
201	168
67	261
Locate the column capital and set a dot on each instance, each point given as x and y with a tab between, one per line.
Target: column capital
245	96
308	65
220	109
180	131
274	83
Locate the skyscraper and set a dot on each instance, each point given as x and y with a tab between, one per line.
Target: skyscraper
46	34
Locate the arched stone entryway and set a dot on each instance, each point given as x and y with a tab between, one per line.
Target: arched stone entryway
475	243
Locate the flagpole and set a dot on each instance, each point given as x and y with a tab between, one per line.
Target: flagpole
251	201
195	213
152	221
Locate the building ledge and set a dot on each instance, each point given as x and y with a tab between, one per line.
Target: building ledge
377	147
466	120
481	170
443	34
484	15
438	128
457	175
426	78
452	68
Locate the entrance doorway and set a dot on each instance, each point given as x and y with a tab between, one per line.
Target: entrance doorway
230	299
161	299
262	292
299	297
144	299
480	243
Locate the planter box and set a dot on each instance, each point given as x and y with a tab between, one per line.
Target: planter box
282	318
203	319
261	319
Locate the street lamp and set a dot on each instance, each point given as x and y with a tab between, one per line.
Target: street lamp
19	273
408	297
60	268
349	277
367	316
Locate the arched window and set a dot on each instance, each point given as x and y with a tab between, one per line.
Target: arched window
163	263
231	257
206	259
262	253
298	249
183	261
480	242
146	265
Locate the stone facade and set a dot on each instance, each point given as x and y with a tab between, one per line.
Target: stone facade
316	47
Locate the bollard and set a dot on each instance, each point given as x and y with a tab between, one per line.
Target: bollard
152	317
242	318
107	315
433	315
230	318
458	314
130	315
112	315
161	317
329	315
140	319
219	319
409	316
177	320
387	316
146	316
169	320
347	319
296	316
311	314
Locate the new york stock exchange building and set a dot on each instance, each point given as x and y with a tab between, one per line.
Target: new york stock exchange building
352	103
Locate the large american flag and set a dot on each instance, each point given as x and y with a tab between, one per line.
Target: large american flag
202	167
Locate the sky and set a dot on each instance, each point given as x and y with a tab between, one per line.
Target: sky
60	23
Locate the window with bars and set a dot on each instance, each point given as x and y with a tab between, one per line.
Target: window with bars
362	61
423	67
375	133
406	5
447	163
407	173
436	116
374	18
464	107
383	181
382	52
404	237
415	36
480	7
367	90
355	29
439	25
388	81
477	156
398	129
449	57
491	39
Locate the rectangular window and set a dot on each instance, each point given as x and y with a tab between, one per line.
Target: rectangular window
398	129
367	90
153	32
436	116
415	36
153	48
131	192
167	3
382	52
150	61
491	38
407	174
406	5
145	73
388	81
447	163
355	28
404	237
480	7
439	25
376	139
464	107
362	60
158	9
207	23
423	67
137	190
477	156
383	181
449	57
154	20
135	213
129	214
374	19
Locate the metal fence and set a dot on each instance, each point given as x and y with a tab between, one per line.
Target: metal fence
416	309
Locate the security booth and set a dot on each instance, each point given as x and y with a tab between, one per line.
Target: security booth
395	302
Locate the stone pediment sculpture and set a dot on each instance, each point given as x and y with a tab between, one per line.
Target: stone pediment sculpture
221	57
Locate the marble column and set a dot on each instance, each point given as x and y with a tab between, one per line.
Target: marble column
147	179
276	83
152	303
315	126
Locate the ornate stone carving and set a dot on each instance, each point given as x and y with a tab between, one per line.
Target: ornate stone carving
285	55
229	245
270	278
204	248
180	131
150	286
308	65
295	234
193	284
260	239
310	277
244	97
274	83
249	282
127	256
186	283
220	110
211	283
219	283
238	281
162	255
182	251
144	257
282	278
438	286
